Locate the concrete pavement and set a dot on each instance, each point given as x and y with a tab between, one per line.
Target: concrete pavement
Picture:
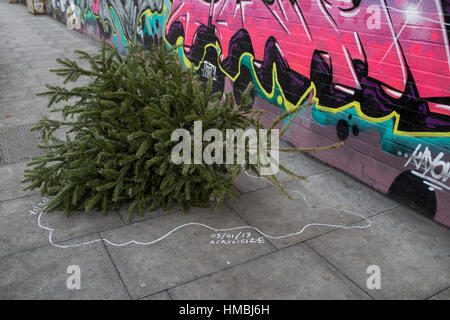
323	262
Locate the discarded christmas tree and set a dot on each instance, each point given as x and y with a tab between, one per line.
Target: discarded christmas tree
118	147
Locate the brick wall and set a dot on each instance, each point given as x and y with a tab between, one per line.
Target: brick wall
378	71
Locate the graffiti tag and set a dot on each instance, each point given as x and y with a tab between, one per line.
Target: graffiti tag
209	70
435	172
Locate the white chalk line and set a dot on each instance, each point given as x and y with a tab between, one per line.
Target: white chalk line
368	225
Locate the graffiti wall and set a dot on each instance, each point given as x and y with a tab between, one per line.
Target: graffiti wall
378	72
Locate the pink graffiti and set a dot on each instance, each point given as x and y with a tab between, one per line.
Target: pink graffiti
95	6
389	35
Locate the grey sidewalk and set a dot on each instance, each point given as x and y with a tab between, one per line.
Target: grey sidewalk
412	252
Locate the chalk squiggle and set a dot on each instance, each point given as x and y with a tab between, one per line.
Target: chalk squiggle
367	225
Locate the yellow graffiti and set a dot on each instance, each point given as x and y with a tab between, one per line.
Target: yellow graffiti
148	12
393	115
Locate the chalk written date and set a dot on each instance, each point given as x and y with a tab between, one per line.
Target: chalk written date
225	238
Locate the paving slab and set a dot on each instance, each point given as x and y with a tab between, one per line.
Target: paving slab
183	256
19	143
43	274
8	87
273	213
79	223
296	162
37	72
53	53
443	295
293	273
9	66
412	252
6	74
338	190
158	296
30	44
45	62
123	212
11	186
26	112
20	230
20	112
